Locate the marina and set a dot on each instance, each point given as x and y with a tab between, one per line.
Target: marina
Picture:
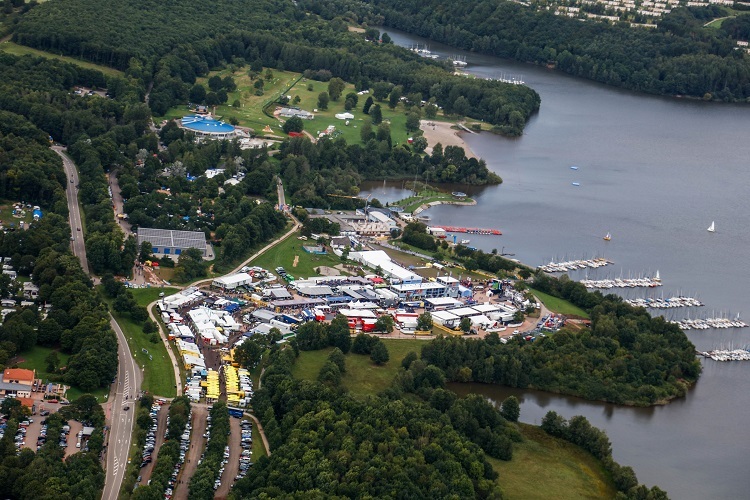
708	323
662	303
727	355
573	265
472	230
622	283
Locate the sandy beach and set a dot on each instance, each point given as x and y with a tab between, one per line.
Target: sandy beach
442	132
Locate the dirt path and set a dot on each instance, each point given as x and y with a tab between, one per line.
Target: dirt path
296	261
262	433
197	444
233	464
161	422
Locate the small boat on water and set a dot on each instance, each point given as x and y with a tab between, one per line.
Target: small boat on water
608	237
574	167
712	227
576	183
459	194
465	242
424	218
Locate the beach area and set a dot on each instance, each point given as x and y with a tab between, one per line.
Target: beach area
441	132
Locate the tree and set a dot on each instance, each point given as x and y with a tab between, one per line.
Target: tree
430	111
293	124
365	132
384	323
336	87
419	144
518	317
269	74
465	324
337	357
197	93
149	327
412	121
215	83
248	354
53	361
461	106
379	354
395	96
323	100
511	409
145	251
368	105
329	374
380	90
410	357
424	321
376	114
338	333
385	38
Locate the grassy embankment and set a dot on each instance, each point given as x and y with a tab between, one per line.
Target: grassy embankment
250	113
158	375
430	196
20	50
34	359
284	253
542	466
560	306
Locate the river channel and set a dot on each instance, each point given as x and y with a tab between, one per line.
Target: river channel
654	172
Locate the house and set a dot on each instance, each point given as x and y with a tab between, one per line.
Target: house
17	382
292	112
30	290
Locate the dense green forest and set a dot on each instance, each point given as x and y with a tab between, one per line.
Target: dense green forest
679	57
171	43
625	357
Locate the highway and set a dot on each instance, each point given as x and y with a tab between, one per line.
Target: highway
129	377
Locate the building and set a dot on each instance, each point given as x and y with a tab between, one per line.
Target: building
208	128
375	259
232	281
17	382
292	112
30	290
419	291
380	217
172	242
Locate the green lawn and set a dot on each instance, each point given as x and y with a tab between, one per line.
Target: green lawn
158	375
258	449
362	376
545	467
561	306
34	359
20	50
413	202
6	213
283	255
144	296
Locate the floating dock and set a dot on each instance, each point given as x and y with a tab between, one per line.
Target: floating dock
668	303
471	230
727	355
708	323
572	265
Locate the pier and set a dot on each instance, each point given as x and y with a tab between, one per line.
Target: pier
668	303
572	265
622	283
727	355
471	230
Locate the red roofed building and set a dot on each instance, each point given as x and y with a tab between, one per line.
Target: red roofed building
17	382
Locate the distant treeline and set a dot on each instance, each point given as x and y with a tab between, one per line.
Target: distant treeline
679	57
188	39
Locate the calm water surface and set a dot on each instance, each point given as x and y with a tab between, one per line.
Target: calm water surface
654	172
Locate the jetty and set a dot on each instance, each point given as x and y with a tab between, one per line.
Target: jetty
708	323
471	230
573	265
622	283
662	303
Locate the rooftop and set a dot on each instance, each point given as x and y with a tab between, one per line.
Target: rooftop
172	238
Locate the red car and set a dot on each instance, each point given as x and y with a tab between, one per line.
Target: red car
53	401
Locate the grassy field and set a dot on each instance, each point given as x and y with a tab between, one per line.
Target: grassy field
144	296
6	213
362	376
258	449
158	375
559	470
561	306
284	253
35	360
250	113
20	50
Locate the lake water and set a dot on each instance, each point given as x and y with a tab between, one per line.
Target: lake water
654	172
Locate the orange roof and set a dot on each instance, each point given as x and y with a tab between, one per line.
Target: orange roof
18	374
28	402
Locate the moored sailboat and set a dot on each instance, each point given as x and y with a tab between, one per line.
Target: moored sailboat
712	227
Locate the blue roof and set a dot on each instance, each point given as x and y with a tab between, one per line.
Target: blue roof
203	124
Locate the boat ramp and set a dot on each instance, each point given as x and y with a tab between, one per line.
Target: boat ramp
622	283
708	323
668	303
573	265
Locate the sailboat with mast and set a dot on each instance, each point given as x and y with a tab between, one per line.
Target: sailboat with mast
608	237
712	227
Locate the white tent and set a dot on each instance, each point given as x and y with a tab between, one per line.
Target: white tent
344	116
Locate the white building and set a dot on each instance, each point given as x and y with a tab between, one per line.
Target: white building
379	259
232	281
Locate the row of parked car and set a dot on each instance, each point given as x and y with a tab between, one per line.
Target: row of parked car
148	448
184	447
247	444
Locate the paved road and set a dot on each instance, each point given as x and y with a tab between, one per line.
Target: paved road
129	380
129	375
76	229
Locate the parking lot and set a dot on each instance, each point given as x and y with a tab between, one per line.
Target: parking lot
154	440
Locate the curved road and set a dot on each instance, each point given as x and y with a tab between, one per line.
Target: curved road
129	376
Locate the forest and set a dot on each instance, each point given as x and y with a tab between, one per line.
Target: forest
187	40
679	57
624	357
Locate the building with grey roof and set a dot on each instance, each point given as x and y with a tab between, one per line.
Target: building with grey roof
172	242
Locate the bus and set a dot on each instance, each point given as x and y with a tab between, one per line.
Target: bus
235	412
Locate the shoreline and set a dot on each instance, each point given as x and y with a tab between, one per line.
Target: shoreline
441	132
425	206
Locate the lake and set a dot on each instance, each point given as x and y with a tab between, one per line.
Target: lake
654	172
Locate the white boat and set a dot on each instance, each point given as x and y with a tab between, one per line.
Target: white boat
657	277
574	167
465	242
576	183
712	227
608	237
